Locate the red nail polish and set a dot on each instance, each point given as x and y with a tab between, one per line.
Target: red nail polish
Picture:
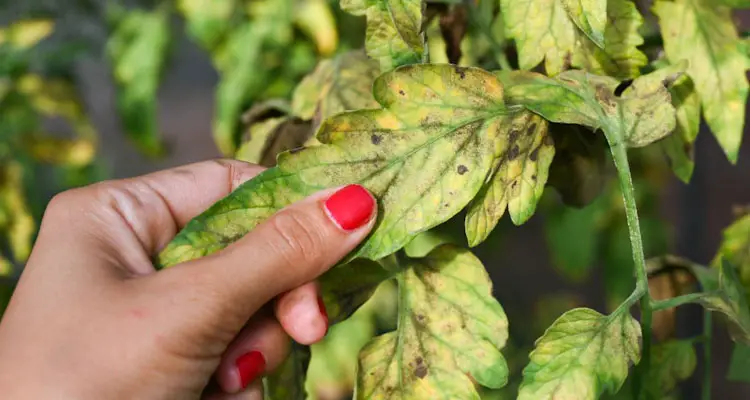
350	207
250	366
323	312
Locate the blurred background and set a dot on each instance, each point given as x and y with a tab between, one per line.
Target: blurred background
528	264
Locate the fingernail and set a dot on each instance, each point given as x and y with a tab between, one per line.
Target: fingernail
323	312
350	207
250	365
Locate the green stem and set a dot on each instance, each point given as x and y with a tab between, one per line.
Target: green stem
707	334
620	157
676	301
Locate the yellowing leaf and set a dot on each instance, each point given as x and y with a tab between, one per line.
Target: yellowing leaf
735	248
590	16
19	224
679	145
259	134
343	83
424	156
272	137
287	381
394	30
640	115
544	31
523	154
704	33
137	48
315	18
671	363
345	288
724	293
450	327
582	355
208	20
25	34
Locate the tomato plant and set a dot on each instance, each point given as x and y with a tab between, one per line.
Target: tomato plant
463	111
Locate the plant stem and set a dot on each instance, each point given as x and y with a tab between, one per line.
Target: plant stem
707	334
620	157
676	301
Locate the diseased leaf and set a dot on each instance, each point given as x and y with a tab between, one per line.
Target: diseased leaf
424	156
582	355
272	137
739	364
287	382
345	288
450	327
579	169
590	16
735	248
394	30
640	115
679	145
315	18
343	83
543	30
523	154
724	294
208	21
703	33
138	51
672	361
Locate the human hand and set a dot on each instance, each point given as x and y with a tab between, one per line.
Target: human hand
92	319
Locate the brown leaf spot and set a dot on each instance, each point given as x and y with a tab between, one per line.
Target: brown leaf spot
376	139
533	178
420	317
531	129
420	370
514	152
297	150
461	71
401	92
534	154
462	169
513	135
514	184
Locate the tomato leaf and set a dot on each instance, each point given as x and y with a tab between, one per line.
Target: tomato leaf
394	30
581	355
672	362
272	137
523	154
449	327
590	16
345	288
703	33
724	293
679	145
208	22
287	382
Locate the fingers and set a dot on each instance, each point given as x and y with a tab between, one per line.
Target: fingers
302	314
260	347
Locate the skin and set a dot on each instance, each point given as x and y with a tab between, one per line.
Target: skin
92	319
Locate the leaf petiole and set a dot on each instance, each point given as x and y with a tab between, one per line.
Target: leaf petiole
677	301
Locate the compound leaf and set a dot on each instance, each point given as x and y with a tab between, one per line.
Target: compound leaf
138	50
581	355
424	156
704	33
287	382
724	293
394	30
523	154
450	327
590	16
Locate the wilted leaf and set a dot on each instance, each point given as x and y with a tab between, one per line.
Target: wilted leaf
345	288
704	33
394	30
137	49
287	382
579	169
315	18
25	34
343	83
543	30
582	355
590	16
724	293
672	362
523	153
640	115
208	21
424	157
679	145
450	327
739	364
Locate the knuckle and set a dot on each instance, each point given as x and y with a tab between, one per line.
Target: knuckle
298	237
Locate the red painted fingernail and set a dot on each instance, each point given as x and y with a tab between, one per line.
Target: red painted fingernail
323	311
250	366
350	207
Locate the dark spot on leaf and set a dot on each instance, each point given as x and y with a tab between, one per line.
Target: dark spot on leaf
533	178
567	61
462	169
375	139
514	152
668	81
420	317
514	184
401	92
605	97
531	129
622	86
297	150
534	154
420	371
513	135
688	148
461	71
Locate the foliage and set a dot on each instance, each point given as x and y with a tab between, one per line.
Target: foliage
447	111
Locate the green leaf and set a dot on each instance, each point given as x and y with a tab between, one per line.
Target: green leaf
208	22
582	355
679	145
424	156
450	327
590	16
425	242
544	31
343	83
671	362
138	51
704	34
573	235
736	3
735	248
394	30
523	154
640	115
287	382
724	293
739	364
345	288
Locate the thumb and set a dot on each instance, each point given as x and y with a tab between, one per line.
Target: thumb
293	247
